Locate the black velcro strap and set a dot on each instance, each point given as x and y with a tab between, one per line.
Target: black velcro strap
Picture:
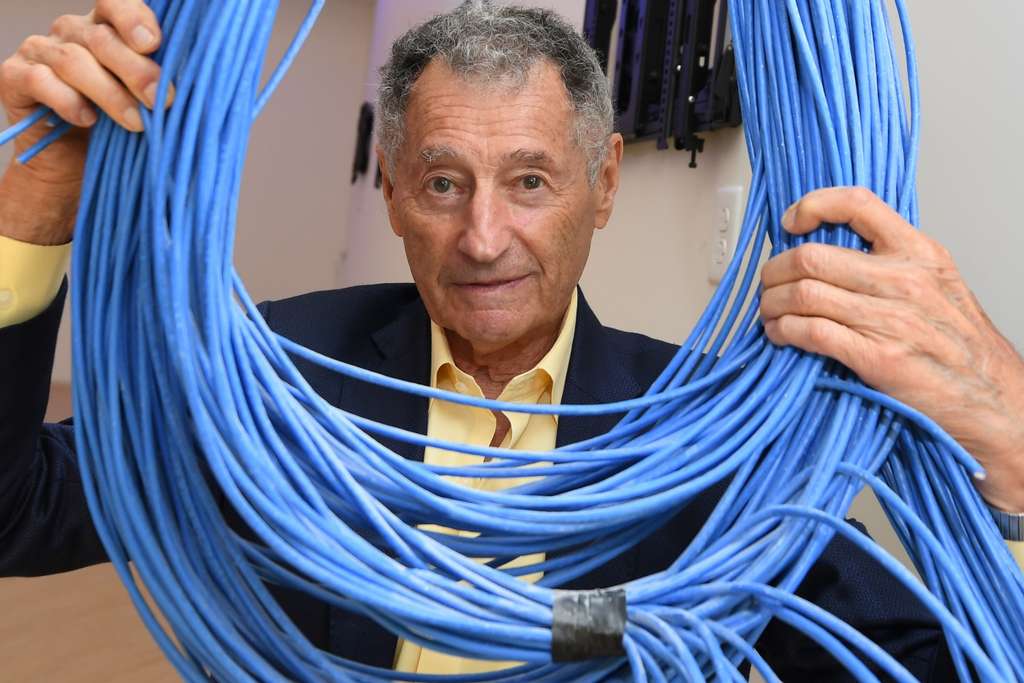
588	624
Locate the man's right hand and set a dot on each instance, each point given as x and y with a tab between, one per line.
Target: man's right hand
98	60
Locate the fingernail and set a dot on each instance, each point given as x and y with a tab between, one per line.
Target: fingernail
143	37
87	116
149	95
787	218
132	119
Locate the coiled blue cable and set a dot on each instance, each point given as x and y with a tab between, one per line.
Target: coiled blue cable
174	380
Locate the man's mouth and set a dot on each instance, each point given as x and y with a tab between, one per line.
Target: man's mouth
492	285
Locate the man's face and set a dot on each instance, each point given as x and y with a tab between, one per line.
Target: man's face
491	197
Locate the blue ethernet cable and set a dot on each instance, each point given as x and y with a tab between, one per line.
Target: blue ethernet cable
181	388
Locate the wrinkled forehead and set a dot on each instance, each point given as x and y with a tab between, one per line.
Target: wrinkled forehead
491	80
447	104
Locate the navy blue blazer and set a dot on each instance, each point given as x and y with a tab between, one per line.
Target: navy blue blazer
45	526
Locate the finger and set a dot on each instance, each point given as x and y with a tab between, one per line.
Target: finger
861	209
140	74
850	269
40	85
821	300
134	21
821	336
846	268
77	67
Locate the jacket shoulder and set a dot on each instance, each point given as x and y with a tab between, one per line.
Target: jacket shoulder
644	356
331	321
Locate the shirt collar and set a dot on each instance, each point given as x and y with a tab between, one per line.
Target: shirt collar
554	365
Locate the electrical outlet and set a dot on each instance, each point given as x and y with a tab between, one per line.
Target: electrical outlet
726	218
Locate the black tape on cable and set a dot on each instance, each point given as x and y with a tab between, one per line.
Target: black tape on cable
588	624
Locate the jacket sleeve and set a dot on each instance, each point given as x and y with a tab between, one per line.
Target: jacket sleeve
851	585
45	525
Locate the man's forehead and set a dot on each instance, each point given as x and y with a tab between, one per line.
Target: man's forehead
476	121
438	70
439	87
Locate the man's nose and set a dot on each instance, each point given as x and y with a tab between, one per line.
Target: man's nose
488	230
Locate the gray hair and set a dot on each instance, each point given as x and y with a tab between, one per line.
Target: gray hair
479	40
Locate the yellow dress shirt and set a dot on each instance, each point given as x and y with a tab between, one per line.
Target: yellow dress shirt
466	424
30	277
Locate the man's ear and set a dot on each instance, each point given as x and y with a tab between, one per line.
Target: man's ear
608	181
388	189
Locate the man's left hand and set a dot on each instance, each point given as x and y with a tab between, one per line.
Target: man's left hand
903	319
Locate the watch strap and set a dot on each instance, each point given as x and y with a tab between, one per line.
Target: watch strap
1011	525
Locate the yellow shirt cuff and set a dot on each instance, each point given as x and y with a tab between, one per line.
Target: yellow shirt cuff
1017	550
30	277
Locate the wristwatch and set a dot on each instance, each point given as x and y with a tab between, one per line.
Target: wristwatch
1011	525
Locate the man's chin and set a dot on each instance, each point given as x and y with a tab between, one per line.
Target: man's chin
489	330
492	330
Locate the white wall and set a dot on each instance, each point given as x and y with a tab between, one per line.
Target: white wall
294	203
972	144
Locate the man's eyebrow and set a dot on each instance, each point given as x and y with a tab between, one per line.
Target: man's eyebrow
530	156
431	155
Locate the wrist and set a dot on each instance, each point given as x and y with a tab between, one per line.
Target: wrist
35	211
1001	450
1003	486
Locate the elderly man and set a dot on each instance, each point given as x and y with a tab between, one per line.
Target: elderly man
499	163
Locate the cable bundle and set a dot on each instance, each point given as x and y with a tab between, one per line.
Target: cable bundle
177	378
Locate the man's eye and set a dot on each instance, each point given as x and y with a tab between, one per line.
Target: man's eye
532	182
441	185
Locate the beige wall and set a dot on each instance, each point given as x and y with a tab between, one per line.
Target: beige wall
294	204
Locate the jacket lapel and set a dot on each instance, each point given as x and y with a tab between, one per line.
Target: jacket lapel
401	349
596	374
